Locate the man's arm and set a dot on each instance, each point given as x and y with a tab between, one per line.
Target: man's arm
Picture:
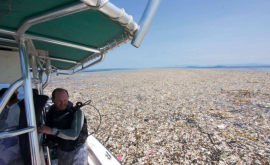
74	131
67	134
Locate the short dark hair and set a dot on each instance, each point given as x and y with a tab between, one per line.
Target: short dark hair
13	96
58	90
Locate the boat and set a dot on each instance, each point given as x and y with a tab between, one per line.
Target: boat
41	38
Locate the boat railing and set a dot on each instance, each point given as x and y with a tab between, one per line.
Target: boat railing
9	93
16	132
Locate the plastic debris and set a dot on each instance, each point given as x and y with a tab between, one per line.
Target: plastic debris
222	126
193	116
152	151
120	158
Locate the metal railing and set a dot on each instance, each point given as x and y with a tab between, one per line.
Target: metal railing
51	40
16	132
52	15
29	103
7	95
145	22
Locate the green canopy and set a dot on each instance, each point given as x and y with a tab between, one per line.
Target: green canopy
89	28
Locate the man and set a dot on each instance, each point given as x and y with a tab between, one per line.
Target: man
11	108
9	147
70	130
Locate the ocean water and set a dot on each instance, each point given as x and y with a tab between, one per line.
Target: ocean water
251	68
239	68
259	69
117	70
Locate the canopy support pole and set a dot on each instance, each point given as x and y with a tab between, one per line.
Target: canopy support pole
48	73
87	66
33	53
92	64
54	41
58	59
8	40
145	22
28	99
52	15
9	47
50	40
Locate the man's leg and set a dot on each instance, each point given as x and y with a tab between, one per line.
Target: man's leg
76	157
63	158
81	156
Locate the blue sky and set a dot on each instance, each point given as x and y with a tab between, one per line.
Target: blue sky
196	32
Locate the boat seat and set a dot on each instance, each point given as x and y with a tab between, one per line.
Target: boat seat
39	104
17	162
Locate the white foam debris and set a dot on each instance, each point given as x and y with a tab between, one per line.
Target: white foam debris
177	116
222	126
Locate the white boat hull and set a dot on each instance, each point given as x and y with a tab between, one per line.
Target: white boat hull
98	154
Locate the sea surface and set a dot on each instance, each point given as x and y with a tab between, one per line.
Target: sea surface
118	70
262	69
239	68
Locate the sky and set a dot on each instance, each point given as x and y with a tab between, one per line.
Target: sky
197	33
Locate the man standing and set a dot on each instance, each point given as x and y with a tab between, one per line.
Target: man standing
70	130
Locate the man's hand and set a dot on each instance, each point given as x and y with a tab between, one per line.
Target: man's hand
45	129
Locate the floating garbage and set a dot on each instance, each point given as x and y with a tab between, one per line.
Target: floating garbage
152	151
120	158
239	124
177	116
222	126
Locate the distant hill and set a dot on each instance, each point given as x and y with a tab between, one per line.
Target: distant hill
231	66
